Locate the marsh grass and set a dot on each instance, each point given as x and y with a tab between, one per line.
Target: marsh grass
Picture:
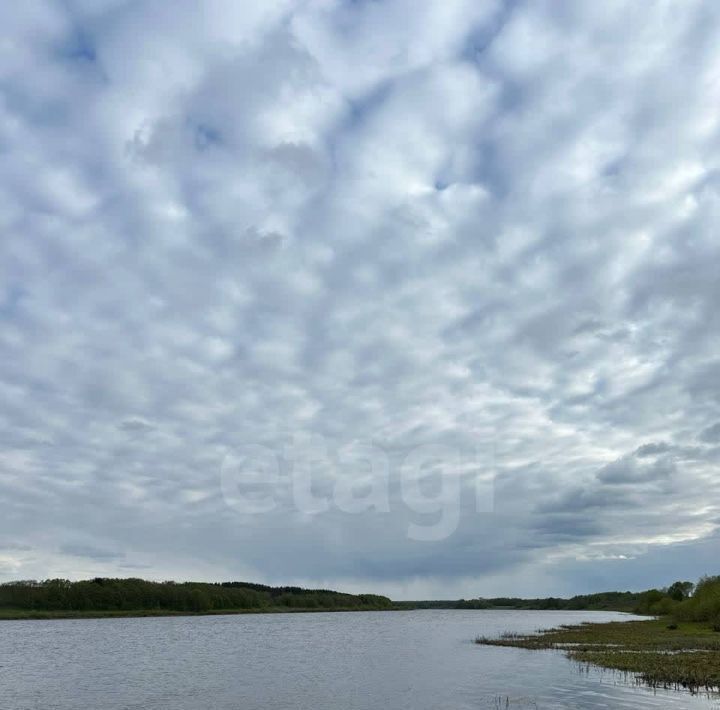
687	656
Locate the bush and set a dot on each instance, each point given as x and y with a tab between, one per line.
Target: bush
704	605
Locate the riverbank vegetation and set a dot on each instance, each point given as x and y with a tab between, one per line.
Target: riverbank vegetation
136	597
681	648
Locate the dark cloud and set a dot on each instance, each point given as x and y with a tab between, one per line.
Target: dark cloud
711	434
136	425
628	471
91	553
653	449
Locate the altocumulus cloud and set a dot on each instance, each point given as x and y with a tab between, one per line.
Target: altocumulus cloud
478	225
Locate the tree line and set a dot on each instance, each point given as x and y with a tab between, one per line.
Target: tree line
603	601
684	600
109	595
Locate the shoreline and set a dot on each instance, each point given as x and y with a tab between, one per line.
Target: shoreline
43	615
7	614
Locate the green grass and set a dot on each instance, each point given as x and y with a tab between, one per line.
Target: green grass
687	656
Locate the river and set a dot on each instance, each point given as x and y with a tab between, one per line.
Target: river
409	660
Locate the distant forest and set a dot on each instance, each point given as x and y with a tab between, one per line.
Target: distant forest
604	601
652	601
127	595
104	595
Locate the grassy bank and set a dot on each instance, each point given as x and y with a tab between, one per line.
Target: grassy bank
663	653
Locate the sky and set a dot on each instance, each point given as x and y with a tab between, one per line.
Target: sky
415	298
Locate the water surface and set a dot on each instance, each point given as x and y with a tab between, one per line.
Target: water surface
410	660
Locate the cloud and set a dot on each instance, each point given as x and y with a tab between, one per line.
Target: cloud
711	434
135	424
92	553
484	226
628	470
653	449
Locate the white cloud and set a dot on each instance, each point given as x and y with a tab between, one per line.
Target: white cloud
452	224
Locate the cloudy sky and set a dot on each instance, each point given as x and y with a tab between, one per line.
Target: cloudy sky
478	233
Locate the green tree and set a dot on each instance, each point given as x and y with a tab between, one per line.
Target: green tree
679	591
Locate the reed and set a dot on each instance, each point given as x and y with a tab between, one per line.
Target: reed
686	656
